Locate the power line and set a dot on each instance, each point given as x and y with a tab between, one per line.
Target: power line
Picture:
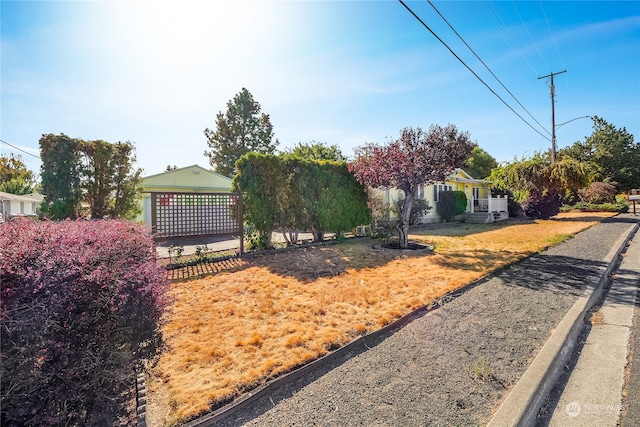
551	33
469	68
486	66
20	149
528	33
506	35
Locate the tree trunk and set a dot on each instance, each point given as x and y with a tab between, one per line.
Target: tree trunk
405	215
285	235
318	235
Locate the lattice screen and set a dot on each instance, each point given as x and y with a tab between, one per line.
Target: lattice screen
196	214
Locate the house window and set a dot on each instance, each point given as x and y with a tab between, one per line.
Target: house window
421	192
22	208
437	188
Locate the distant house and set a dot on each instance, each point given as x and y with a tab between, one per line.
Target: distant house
191	179
14	205
481	207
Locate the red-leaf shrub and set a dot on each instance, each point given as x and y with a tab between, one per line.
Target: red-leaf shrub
81	303
541	206
598	192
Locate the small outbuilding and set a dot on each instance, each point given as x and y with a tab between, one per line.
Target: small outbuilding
183	195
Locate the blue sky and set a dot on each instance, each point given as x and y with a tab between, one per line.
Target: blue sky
342	72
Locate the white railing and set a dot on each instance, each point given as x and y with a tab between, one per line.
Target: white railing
490	204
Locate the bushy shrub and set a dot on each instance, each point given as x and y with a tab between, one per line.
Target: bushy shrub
255	239
450	204
597	207
379	208
419	209
598	192
81	304
461	202
542	206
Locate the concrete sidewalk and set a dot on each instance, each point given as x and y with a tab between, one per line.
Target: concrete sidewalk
593	393
189	245
217	243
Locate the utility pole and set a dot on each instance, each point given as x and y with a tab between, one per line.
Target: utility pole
552	91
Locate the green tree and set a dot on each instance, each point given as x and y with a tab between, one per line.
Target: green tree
15	178
613	151
60	173
242	129
110	182
127	182
97	174
537	181
480	164
317	151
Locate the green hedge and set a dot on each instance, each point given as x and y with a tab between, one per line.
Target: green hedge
291	193
597	207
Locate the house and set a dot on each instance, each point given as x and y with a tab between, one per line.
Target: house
481	207
19	205
174	188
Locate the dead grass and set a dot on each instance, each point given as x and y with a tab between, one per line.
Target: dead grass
232	331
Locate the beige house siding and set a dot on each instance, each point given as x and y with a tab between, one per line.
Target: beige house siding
458	181
190	179
15	205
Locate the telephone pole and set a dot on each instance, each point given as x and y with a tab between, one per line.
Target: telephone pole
552	91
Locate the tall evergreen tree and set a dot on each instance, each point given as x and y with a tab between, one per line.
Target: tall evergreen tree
111	183
242	129
613	151
60	174
317	151
96	174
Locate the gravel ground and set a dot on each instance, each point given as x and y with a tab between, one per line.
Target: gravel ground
455	364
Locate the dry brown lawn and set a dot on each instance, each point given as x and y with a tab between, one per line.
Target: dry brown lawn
232	331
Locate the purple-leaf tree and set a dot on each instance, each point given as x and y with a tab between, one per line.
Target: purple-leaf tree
416	158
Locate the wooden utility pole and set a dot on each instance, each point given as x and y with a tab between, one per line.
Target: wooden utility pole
552	91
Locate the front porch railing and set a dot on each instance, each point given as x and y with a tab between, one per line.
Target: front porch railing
490	204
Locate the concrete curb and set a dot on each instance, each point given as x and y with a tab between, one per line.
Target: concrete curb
523	403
